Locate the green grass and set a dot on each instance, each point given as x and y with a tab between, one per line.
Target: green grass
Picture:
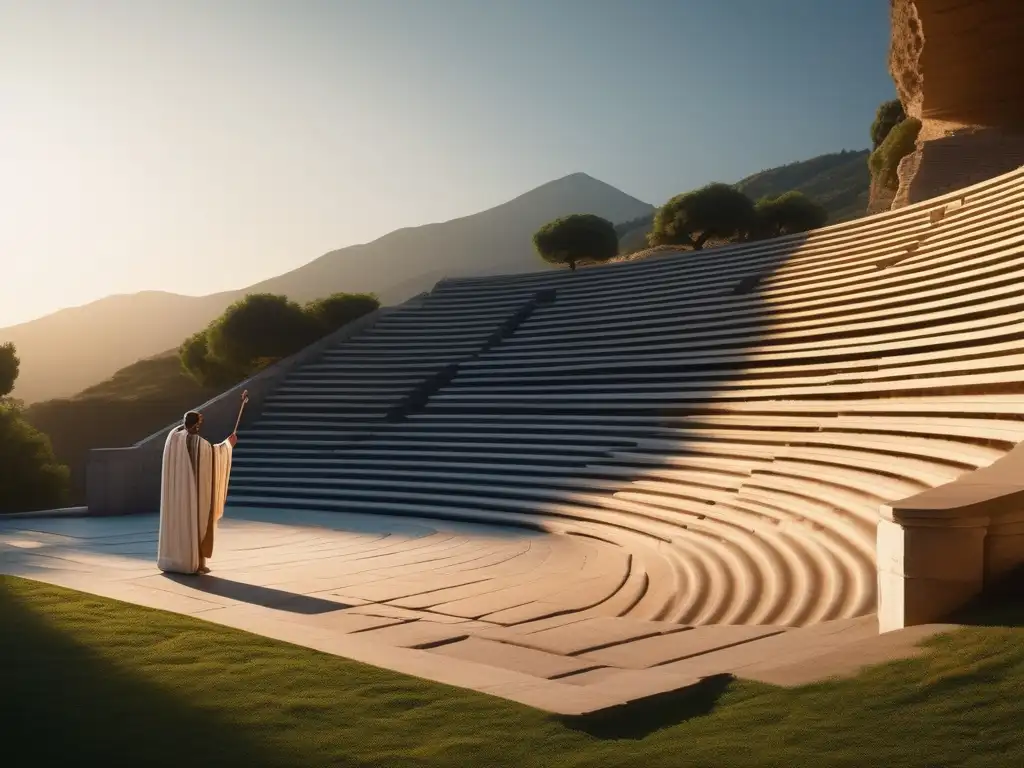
84	677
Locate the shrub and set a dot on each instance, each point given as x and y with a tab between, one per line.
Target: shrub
888	116
31	478
885	160
579	237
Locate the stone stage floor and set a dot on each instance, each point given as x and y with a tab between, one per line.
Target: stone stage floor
539	618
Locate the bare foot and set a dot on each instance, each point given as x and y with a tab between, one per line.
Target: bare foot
203	570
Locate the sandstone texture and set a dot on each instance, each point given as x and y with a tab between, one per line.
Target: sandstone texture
957	67
959	60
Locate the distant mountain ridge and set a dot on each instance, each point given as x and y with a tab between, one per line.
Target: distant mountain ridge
70	350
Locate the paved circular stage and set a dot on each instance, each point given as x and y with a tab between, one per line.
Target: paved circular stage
567	623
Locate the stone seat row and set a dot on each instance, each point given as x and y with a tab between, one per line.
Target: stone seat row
746	438
904	227
955	303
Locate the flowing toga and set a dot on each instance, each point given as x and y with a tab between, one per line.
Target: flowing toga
193	489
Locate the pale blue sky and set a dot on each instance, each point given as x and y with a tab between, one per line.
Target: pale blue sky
202	145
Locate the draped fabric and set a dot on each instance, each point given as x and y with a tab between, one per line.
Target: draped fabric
193	490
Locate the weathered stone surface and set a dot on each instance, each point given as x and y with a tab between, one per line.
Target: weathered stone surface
957	66
590	635
959	61
947	162
528	660
675	646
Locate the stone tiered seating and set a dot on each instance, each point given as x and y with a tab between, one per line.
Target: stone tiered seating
734	419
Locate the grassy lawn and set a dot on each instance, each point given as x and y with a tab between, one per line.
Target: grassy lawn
82	677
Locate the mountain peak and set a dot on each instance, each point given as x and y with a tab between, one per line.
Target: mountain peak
582	189
579	177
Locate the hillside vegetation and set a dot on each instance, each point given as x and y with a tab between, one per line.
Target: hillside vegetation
132	404
31	477
840	182
146	396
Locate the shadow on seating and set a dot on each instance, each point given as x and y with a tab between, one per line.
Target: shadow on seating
371	524
267	597
639	719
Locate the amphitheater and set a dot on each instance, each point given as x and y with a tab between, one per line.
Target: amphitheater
780	460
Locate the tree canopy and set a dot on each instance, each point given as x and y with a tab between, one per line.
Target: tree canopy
32	478
715	211
579	237
9	364
340	309
258	329
788	213
888	116
204	368
261	329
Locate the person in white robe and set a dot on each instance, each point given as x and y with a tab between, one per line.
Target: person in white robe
193	490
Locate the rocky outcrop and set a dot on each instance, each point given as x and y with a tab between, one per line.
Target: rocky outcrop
880	196
957	67
959	60
956	160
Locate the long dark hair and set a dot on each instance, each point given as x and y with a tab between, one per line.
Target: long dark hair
192	421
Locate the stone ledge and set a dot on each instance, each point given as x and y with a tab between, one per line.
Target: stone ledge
938	549
47	513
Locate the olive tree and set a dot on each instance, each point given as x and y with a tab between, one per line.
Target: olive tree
787	214
715	211
579	237
261	329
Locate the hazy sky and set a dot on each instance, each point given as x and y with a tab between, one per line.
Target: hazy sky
201	145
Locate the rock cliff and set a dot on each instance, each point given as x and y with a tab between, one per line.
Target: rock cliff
957	66
959	61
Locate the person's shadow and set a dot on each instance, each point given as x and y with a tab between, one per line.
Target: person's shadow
254	595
